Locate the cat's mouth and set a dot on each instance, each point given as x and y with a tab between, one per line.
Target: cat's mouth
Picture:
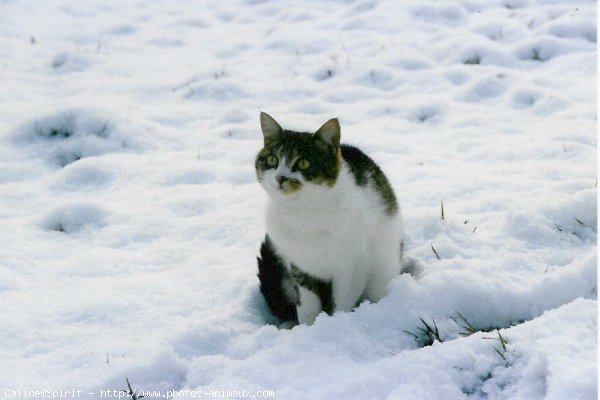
288	185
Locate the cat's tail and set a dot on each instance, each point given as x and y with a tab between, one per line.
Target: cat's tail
276	284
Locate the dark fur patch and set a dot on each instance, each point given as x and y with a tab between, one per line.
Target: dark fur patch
274	278
364	170
323	289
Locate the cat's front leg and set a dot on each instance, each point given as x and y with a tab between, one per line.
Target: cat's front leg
347	288
315	295
309	307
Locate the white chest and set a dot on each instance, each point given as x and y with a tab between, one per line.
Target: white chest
327	233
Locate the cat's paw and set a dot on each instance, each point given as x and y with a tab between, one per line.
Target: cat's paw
287	325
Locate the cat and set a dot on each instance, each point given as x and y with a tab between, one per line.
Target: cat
334	228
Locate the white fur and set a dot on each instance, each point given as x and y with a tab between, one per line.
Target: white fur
338	233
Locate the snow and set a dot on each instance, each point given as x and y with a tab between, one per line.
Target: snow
130	217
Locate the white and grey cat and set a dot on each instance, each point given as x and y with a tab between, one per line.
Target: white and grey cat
334	228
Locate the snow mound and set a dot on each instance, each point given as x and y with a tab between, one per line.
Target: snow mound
86	174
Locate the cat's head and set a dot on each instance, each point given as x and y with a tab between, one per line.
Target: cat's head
291	163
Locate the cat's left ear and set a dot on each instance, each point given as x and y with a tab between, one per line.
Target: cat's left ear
330	132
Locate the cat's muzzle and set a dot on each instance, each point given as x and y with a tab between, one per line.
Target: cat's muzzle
288	185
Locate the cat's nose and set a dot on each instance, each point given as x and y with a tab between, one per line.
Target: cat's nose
280	179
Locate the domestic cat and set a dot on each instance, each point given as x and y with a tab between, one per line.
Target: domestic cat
334	227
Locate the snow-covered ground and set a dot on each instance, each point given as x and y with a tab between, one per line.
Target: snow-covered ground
130	217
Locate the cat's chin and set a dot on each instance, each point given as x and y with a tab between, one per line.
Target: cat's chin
282	194
288	199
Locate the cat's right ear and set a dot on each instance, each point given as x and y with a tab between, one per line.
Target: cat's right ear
270	128
330	132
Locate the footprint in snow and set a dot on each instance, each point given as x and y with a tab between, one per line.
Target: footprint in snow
525	98
66	137
69	62
74	217
427	113
485	88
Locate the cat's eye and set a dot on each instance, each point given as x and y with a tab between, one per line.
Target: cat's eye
303	164
272	160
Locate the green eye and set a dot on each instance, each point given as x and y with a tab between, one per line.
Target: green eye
272	160
303	164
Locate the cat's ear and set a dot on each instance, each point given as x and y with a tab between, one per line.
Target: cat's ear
330	132
270	127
